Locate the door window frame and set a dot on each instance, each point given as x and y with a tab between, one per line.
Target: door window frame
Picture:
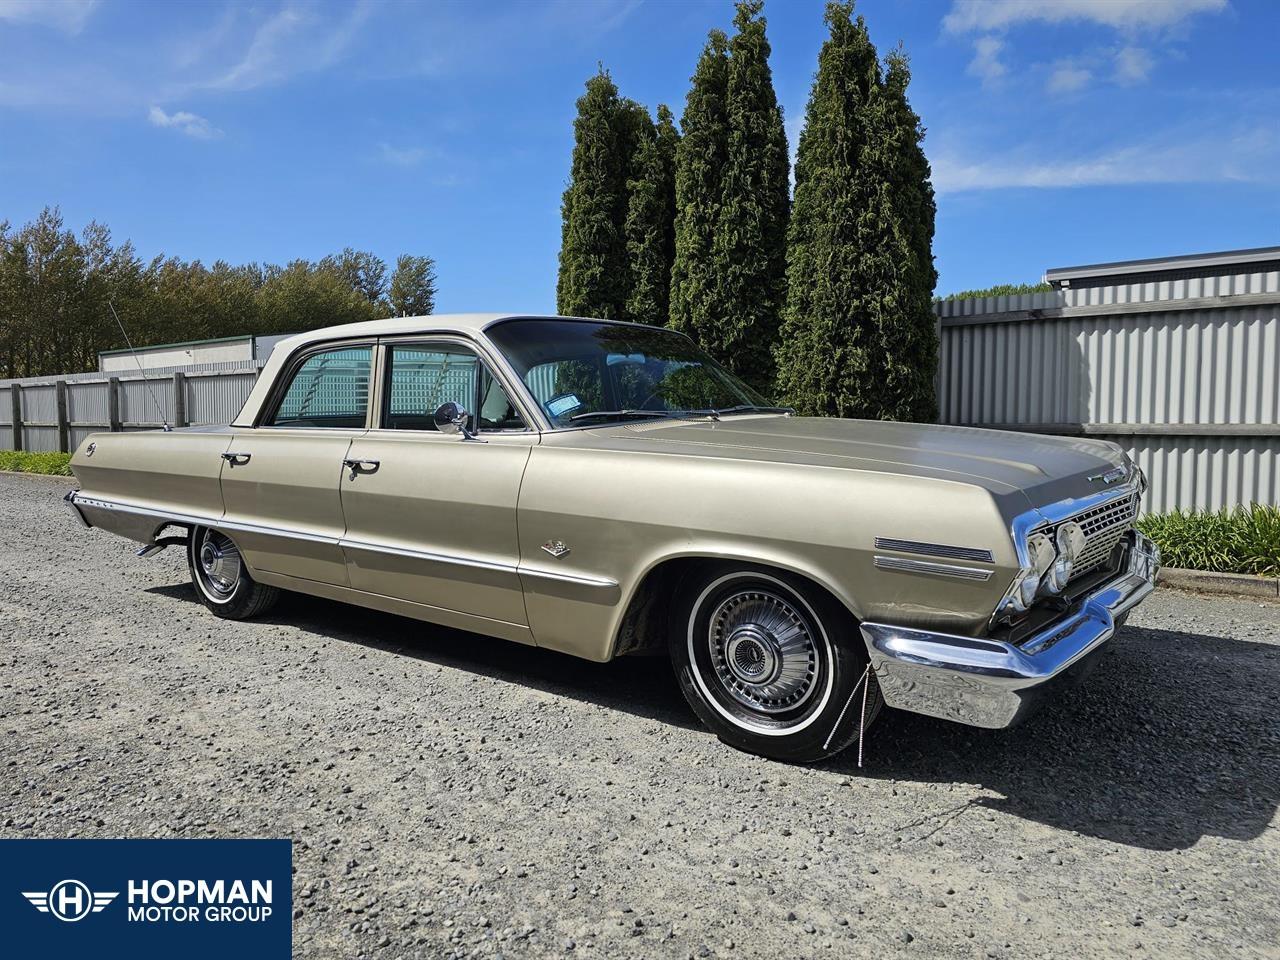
284	380
382	382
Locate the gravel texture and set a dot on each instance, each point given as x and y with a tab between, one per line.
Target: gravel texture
451	795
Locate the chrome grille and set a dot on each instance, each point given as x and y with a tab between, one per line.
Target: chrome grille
1103	527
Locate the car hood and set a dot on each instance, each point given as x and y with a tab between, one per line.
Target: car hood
1045	468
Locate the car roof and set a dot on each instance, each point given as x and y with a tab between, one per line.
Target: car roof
468	324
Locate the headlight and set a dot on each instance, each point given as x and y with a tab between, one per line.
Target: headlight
1040	557
1070	542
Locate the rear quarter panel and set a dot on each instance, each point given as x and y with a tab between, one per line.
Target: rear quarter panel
175	472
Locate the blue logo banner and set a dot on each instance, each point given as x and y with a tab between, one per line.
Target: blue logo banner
139	899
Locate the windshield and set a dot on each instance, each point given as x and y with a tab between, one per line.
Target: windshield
583	372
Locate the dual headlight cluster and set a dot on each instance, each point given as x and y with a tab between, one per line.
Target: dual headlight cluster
1050	562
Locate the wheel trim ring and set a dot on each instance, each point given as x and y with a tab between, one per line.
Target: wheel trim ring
224	565
824	646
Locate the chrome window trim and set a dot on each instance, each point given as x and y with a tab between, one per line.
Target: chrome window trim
284	379
74	498
907	565
935	550
484	354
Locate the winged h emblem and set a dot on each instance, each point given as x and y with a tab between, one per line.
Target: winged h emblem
70	900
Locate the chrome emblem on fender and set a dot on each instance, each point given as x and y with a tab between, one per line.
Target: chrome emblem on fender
557	548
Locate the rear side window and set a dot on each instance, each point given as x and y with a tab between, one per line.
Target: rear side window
329	389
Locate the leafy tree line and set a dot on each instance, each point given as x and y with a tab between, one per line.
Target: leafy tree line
821	297
57	289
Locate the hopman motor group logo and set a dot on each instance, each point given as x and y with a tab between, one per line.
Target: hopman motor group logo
162	901
146	899
70	900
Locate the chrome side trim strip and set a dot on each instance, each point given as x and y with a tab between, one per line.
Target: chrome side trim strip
905	565
426	555
603	583
73	498
935	550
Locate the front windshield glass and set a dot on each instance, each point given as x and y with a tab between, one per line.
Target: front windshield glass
584	373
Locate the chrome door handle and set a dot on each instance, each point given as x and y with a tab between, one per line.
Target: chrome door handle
362	466
237	459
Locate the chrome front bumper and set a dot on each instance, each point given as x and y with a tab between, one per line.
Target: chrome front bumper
990	683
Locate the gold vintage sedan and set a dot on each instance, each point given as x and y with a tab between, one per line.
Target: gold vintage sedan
604	489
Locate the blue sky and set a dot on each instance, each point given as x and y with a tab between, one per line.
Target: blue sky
1060	131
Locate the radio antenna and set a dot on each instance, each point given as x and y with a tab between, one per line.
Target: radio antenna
154	399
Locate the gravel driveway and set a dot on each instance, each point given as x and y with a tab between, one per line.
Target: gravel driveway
451	795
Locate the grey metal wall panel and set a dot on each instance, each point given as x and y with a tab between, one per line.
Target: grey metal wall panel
1144	291
40	404
40	439
1206	473
217	399
1183	367
146	401
87	402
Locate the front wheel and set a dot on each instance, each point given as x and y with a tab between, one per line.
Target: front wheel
221	578
772	664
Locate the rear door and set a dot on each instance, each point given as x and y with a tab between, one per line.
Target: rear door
280	479
431	517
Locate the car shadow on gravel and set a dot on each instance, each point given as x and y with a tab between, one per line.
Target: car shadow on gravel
1173	737
642	686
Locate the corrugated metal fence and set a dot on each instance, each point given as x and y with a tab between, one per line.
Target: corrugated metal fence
57	413
1183	373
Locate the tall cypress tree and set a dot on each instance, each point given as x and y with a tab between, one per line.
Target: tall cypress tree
858	336
751	233
909	344
700	161
593	254
650	226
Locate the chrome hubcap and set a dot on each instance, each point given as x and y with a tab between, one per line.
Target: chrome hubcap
219	562
763	651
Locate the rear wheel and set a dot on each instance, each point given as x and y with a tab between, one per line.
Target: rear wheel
221	578
772	664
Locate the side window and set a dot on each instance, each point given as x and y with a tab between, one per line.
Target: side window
330	389
421	378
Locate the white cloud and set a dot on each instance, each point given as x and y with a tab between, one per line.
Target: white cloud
1133	65
985	15
69	16
986	62
190	124
402	156
290	42
1248	157
1067	77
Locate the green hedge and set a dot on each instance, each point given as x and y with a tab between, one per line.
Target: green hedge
22	461
1243	540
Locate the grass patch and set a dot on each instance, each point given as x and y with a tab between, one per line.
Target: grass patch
24	461
1243	540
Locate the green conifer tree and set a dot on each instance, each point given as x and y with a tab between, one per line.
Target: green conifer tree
858	336
700	160
593	277
650	226
751	230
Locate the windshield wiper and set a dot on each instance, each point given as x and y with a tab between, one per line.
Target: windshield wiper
622	414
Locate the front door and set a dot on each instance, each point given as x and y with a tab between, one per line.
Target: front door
280	479
431	517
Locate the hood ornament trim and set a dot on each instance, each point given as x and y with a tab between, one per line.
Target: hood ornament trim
1111	476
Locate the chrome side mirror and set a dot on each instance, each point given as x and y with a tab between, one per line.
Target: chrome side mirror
451	418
